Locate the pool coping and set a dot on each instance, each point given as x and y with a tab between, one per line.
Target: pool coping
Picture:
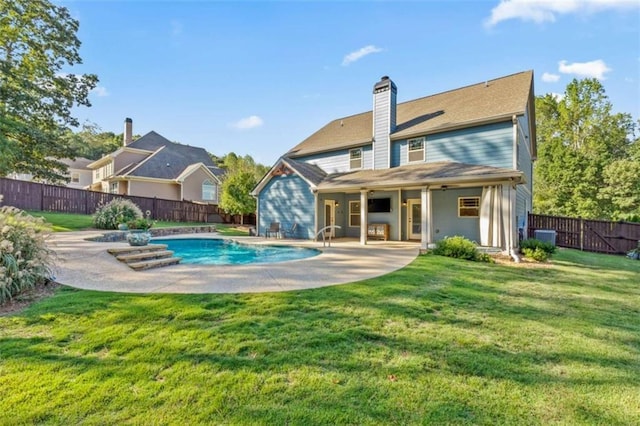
86	265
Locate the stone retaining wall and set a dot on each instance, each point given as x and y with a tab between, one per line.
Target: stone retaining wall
114	236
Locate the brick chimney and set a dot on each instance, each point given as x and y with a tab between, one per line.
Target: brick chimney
128	131
384	121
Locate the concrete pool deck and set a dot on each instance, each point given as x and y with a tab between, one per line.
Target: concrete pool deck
87	265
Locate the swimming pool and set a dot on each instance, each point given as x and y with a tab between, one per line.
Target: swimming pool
216	251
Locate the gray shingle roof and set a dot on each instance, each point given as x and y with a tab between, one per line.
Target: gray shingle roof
422	174
169	159
482	102
310	172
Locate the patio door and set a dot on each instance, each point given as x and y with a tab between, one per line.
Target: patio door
414	219
330	217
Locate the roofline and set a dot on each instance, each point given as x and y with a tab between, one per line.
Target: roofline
144	160
462	125
357	144
115	153
267	177
517	177
195	166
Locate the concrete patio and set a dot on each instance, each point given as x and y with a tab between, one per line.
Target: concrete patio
87	265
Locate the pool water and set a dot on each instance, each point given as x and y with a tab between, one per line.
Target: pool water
215	251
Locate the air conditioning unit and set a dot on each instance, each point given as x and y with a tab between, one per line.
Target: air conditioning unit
546	235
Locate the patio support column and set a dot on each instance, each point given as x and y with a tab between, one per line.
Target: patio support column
508	216
363	217
315	216
425	219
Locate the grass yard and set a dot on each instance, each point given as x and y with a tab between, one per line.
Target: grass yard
64	222
442	341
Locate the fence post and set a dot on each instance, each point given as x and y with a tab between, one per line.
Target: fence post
42	197
581	234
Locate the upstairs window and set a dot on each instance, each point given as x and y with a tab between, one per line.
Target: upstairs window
113	187
355	159
209	191
75	177
415	149
469	207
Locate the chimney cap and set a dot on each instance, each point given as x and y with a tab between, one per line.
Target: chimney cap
128	120
384	84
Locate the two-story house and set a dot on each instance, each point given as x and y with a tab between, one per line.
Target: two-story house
453	163
153	166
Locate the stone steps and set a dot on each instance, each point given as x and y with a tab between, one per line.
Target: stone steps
145	257
155	263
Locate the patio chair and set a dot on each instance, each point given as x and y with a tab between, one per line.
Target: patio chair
291	232
273	229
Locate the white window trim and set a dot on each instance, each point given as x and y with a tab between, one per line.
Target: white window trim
477	198
361	158
114	187
215	190
75	177
409	150
354	214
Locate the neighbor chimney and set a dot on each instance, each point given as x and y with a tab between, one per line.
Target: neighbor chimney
128	131
384	121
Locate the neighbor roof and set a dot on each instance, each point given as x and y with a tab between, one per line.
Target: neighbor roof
490	101
169	160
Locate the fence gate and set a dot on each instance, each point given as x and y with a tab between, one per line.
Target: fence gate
589	235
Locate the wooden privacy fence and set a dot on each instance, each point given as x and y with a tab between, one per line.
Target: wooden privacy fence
588	235
43	197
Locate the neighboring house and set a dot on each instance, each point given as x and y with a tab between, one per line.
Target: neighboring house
153	166
79	175
454	163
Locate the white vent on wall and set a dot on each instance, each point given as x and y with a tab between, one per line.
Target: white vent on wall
546	235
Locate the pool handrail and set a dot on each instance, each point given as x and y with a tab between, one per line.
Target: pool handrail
323	231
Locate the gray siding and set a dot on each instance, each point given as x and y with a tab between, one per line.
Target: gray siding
288	200
381	129
338	161
446	222
489	145
523	206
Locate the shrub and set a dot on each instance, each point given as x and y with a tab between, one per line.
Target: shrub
140	223
115	212
533	244
538	254
460	248
24	258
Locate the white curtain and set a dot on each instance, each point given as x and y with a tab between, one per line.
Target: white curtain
491	216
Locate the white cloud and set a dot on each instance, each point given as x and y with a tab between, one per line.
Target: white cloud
593	69
547	77
359	54
540	11
250	122
100	91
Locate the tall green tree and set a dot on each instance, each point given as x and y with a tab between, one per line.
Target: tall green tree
242	174
578	138
38	46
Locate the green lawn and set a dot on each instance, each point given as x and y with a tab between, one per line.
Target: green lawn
442	341
63	222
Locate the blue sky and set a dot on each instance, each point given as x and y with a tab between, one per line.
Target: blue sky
258	77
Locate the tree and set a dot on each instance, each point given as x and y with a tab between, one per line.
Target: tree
578	138
241	176
37	45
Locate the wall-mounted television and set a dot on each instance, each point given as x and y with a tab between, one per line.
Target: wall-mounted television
379	205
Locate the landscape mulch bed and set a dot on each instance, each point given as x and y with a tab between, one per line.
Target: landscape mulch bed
26	298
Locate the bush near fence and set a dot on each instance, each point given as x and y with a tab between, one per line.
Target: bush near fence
599	236
43	197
